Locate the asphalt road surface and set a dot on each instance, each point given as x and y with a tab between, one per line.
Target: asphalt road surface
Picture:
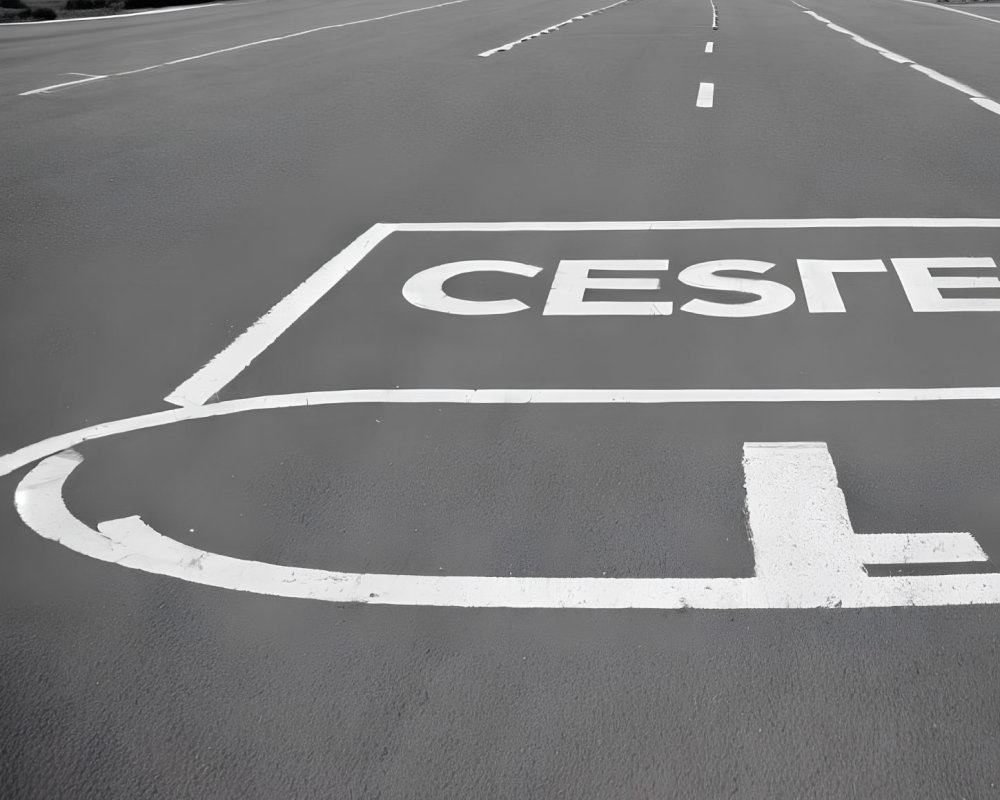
644	311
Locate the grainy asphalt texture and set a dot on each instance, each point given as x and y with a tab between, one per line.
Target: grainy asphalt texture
148	219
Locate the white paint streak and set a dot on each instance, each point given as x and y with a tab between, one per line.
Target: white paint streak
976	96
505	47
715	16
47	89
258	337
710	47
211	378
55	444
706	95
107	17
953	10
989	105
806	555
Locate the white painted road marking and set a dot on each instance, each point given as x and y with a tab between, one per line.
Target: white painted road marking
231	361
706	95
225	366
715	16
105	17
954	10
977	97
806	555
505	47
710	47
31	453
46	89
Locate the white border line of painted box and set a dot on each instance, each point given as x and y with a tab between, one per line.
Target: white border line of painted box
222	368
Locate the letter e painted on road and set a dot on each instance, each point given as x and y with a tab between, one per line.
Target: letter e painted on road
923	289
771	297
820	285
426	289
572	280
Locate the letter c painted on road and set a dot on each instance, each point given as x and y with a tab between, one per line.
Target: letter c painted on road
426	289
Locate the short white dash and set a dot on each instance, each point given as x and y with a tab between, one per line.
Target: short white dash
710	47
706	95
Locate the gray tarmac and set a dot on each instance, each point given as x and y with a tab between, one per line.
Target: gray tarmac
148	219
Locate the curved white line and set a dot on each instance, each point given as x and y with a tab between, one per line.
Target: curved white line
131	543
55	444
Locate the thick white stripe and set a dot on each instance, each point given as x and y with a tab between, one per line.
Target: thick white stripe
706	95
46	89
710	47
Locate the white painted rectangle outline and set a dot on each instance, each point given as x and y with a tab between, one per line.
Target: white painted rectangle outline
237	356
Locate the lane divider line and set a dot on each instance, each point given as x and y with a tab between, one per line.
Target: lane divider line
706	95
103	17
710	47
54	87
974	94
505	47
954	10
715	16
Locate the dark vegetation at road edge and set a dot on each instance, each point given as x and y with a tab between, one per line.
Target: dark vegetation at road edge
19	11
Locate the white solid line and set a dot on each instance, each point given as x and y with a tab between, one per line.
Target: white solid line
505	47
211	378
710	47
225	366
706	95
974	94
176	61
806	555
55	444
715	16
950	82
119	16
701	224
989	105
953	10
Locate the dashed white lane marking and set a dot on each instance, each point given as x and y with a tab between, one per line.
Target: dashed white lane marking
715	16
232	360
55	444
710	47
46	89
505	47
706	95
104	17
977	97
806	554
954	10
